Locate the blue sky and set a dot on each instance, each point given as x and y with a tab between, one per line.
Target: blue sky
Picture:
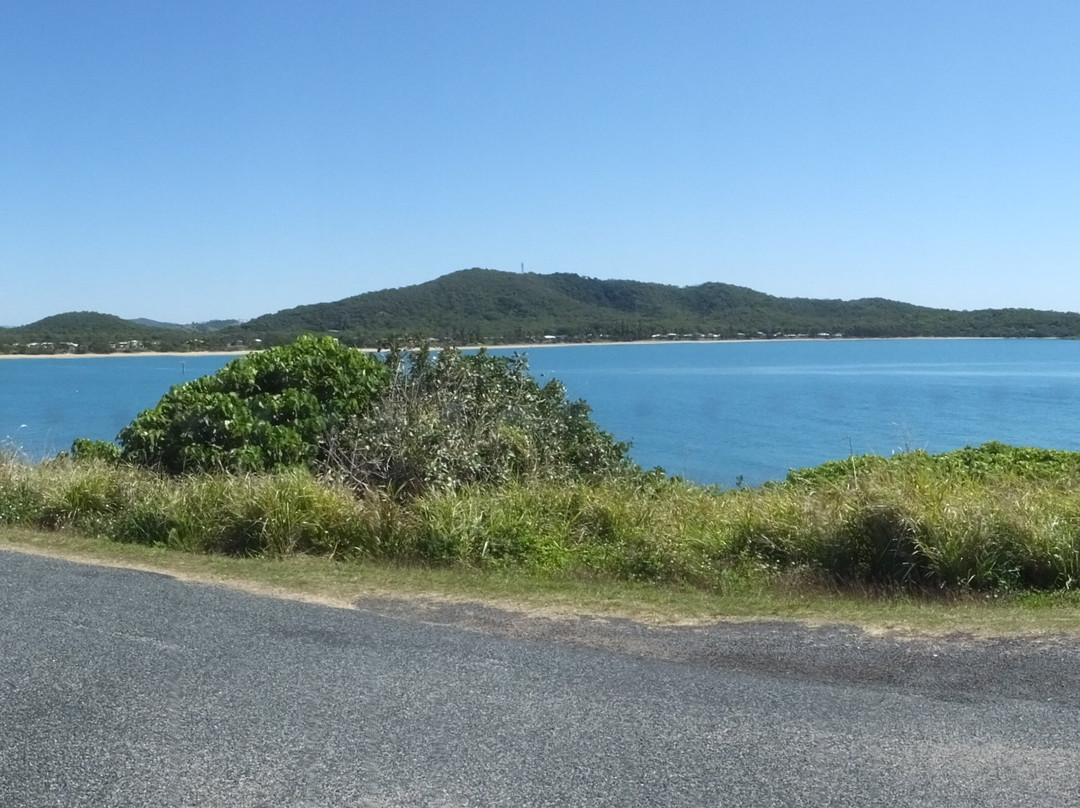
195	160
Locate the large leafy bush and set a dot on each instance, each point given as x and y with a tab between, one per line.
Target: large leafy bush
264	411
449	419
417	422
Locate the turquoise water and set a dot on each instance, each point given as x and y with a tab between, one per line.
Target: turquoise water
711	412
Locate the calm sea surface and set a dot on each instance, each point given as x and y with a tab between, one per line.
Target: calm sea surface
711	412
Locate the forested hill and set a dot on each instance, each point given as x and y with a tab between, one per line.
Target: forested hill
482	306
491	307
76	331
93	332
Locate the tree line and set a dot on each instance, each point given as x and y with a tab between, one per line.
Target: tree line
479	306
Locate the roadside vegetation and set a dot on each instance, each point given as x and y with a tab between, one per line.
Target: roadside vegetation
992	519
465	464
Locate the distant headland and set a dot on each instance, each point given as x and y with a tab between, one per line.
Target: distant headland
495	308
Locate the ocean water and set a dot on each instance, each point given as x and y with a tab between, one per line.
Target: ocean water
714	413
46	403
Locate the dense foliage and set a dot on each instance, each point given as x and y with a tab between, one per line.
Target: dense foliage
449	420
417	422
264	411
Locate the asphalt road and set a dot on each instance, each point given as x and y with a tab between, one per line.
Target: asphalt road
123	688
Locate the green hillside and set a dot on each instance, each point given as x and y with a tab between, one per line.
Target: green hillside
491	307
92	332
209	325
75	321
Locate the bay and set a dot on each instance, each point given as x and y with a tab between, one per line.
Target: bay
46	403
715	413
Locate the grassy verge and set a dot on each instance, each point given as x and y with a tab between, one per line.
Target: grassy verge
984	540
336	583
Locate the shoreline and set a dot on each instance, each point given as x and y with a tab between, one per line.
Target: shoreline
606	343
525	346
124	354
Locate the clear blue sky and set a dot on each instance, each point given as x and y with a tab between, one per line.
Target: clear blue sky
189	160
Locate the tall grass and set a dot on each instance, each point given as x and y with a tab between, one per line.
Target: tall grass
668	532
278	514
993	518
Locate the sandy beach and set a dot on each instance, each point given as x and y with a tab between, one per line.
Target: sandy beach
520	346
764	341
180	354
511	347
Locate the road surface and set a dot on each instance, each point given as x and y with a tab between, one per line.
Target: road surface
127	688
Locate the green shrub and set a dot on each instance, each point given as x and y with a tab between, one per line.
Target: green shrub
418	422
264	411
84	449
450	420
